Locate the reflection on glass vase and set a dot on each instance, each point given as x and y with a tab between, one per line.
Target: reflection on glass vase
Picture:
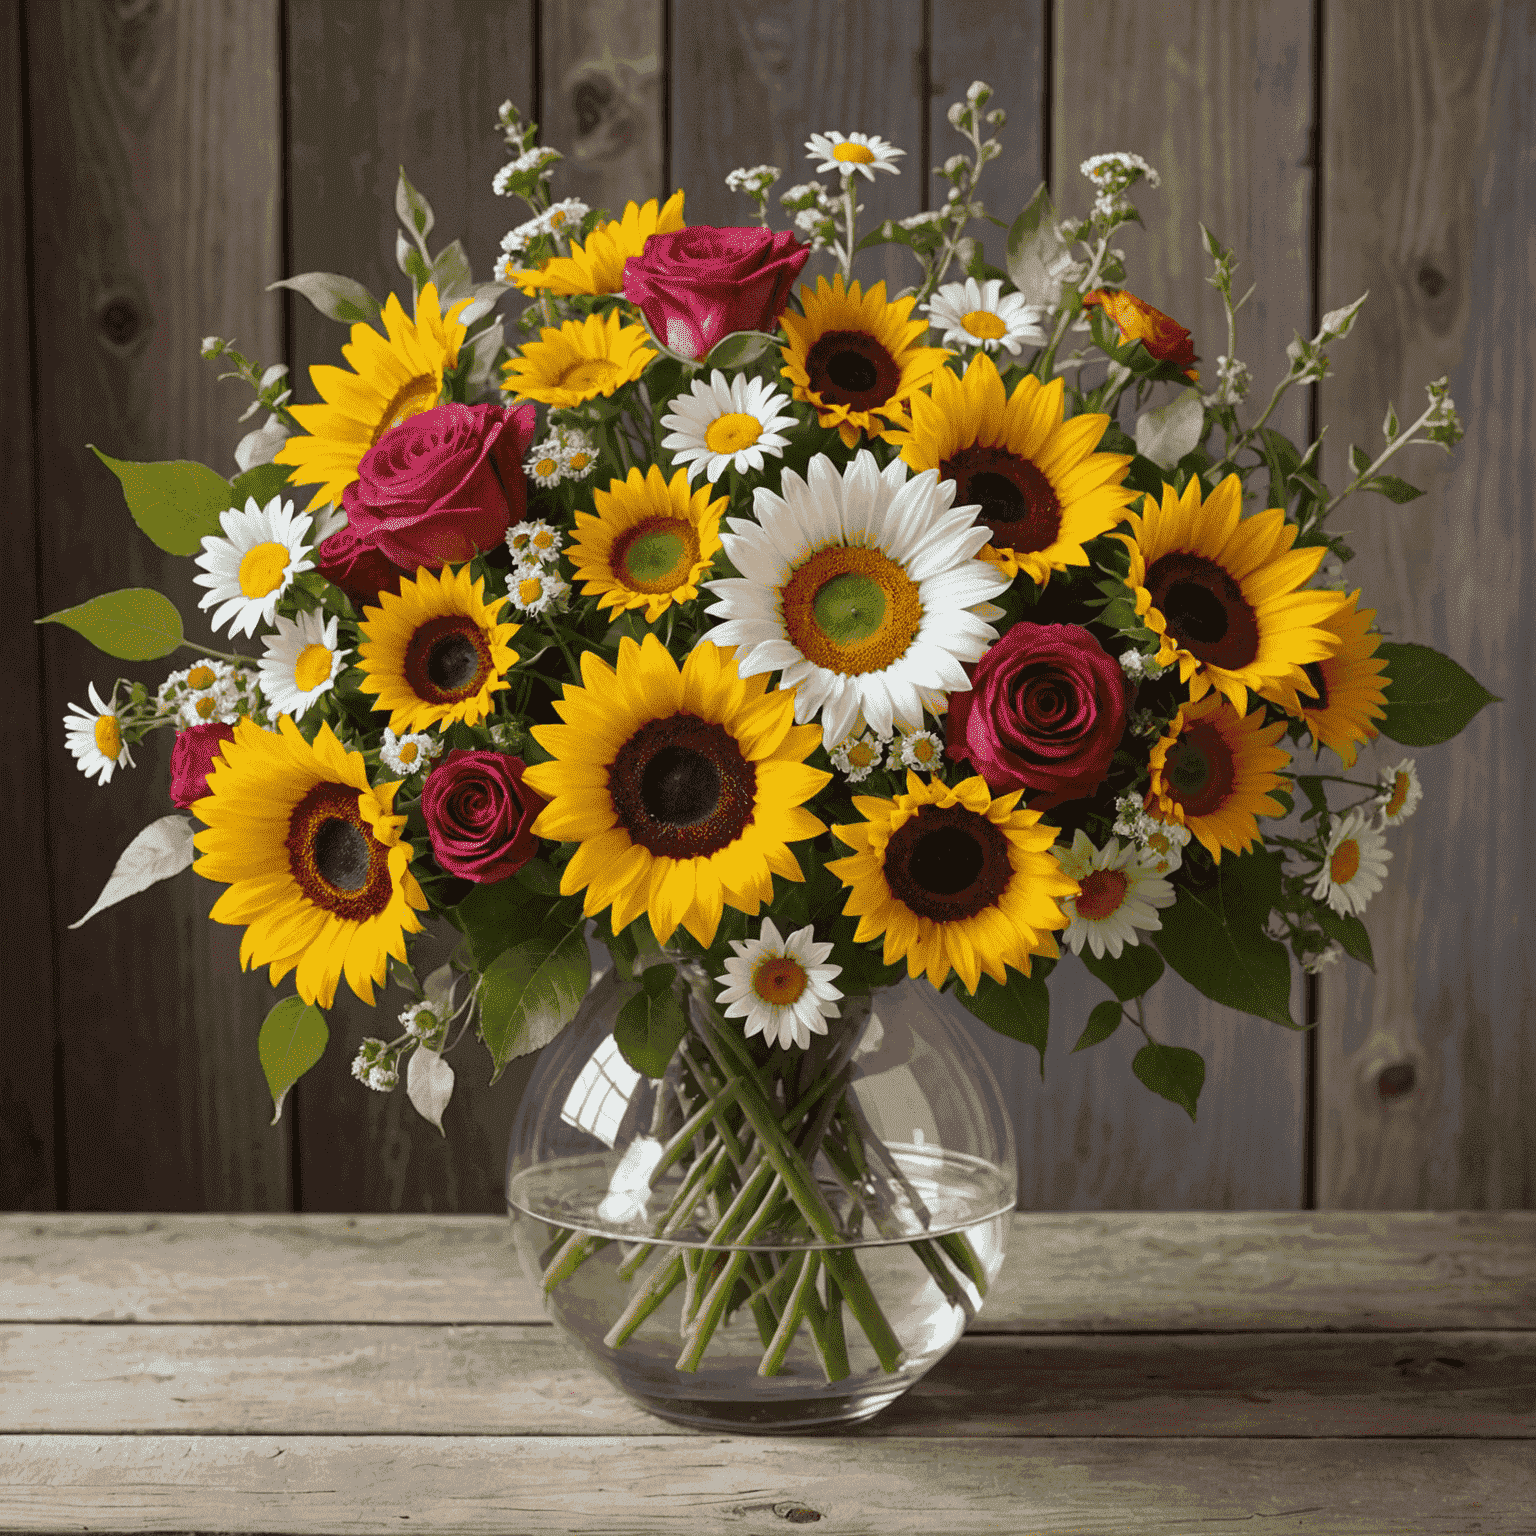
762	1238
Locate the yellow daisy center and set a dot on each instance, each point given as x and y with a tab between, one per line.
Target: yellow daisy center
923	750
1345	863
543	539
545	468
312	668
856	154
408	751
201	677
109	736
779	980
262	568
579	461
1399	794
411	399
1160	844
588	373
529	590
557	218
861	755
851	610
984	325
1101	894
206	707
732	432
656	555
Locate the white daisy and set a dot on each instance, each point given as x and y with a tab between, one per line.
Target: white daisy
534	590
726	422
190	682
1400	793
533	542
1161	842
863	152
580	452
302	661
922	751
545	464
781	987
254	564
1354	864
972	314
95	737
1118	893
862	589
858	756
406	754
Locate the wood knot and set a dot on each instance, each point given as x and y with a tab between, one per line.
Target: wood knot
121	321
590	102
797	1514
1396	1081
1431	280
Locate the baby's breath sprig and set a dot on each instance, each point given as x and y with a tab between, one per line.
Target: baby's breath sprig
272	392
755	183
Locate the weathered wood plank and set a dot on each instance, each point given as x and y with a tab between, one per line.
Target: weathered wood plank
366	1379
1221	106
27	1109
155	155
648	1485
1430	206
1119	1272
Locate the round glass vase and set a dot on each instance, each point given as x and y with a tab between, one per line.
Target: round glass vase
761	1238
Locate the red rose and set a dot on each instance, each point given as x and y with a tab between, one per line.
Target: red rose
357	568
192	760
1045	712
478	813
699	284
441	485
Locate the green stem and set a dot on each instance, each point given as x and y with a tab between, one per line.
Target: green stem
204	650
571	1255
793	1315
645	1301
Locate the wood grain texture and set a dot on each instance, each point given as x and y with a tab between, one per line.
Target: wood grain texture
648	1485
27	1171
1430	117
1116	1272
156	150
1219	102
367	1379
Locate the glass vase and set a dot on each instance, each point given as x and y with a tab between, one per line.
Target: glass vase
762	1238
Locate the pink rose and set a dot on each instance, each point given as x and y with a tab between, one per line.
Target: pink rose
696	285
192	760
357	568
1046	710
441	485
479	814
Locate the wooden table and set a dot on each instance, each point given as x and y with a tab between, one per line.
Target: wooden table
1300	1372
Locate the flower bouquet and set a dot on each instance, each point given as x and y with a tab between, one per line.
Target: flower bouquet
789	640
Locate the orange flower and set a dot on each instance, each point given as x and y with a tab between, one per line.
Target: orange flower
1136	320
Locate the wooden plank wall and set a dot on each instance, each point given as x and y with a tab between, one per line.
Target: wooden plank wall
191	152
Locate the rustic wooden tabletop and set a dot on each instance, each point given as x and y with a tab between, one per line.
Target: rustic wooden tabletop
1297	1372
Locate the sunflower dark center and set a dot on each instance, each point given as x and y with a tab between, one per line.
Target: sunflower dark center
1017	502
341	855
452	662
336	861
447	659
1314	671
1201	772
947	863
852	368
682	788
1205	610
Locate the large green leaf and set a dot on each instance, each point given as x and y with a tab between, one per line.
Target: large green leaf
1430	698
135	624
1021	1010
260	484
496	916
176	503
1350	932
1103	1021
651	1023
292	1039
1133	973
531	991
1172	1071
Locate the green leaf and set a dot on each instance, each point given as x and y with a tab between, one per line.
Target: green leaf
649	1026
1430	698
176	503
1312	787
337	298
1392	488
531	991
135	624
1348	931
1172	1071
1102	1023
1359	460
291	1041
1134	973
738	349
495	916
411	262
260	484
1282	460
412	209
1021	1010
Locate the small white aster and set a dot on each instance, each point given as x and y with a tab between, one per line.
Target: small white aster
1355	860
858	756
1115	171
533	542
578	451
535	590
1118	894
564	217
972	314
374	1066
301	663
726	422
755	181
781	987
253	564
1400	794
862	152
922	751
95	738
419	1021
545	465
1161	842
409	753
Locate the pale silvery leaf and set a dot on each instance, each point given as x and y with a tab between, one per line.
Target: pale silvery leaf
338	298
1165	435
1338	321
329	520
450	272
1038	256
429	1085
439	988
482	359
162	849
262	445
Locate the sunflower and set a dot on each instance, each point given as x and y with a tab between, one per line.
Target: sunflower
1214	772
682	787
649	543
1222	591
1136	320
855	357
435	653
579	362
391	380
1043	491
1347	695
954	879
313	858
598	266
